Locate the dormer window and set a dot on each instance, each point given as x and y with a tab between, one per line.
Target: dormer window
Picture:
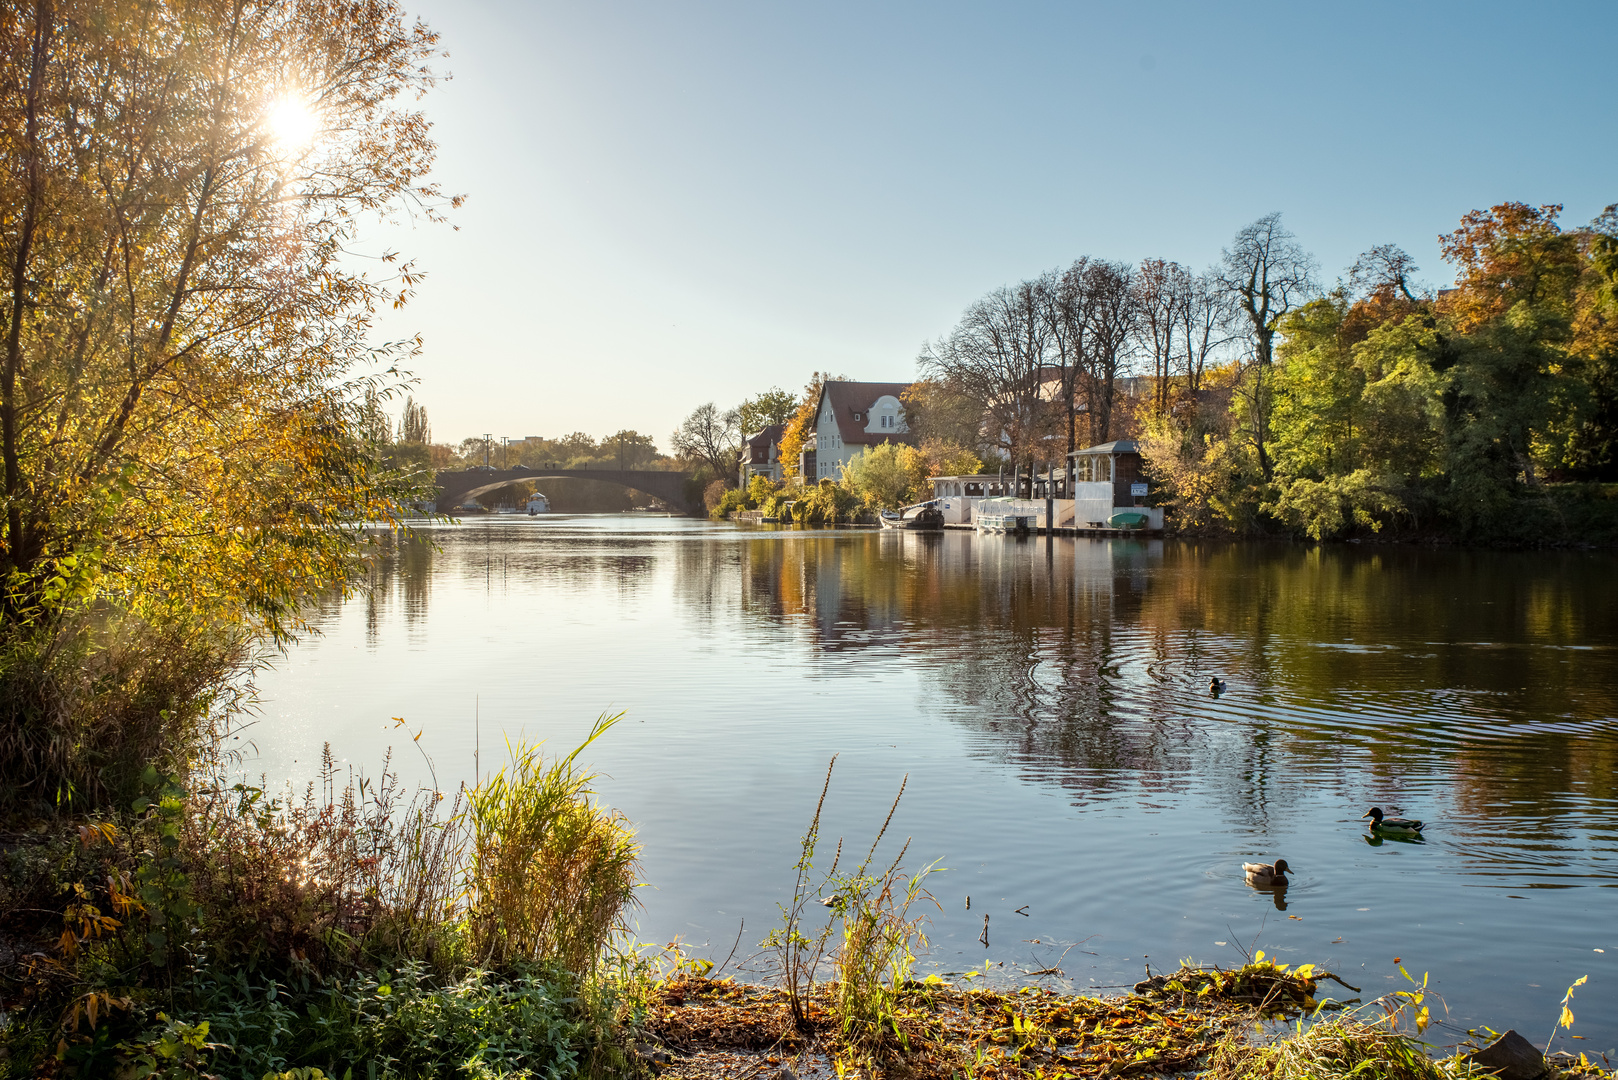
856	417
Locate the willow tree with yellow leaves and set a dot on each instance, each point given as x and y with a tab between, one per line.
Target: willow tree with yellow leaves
187	347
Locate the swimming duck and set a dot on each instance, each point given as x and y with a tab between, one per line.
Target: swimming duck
1216	685
1383	823
1267	875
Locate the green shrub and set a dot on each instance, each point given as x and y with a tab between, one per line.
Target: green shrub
729	502
826	503
551	871
88	700
400	1025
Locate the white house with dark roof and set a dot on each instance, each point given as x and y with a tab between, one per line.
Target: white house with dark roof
851	418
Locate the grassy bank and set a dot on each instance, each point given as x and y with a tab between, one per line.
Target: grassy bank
216	929
356	930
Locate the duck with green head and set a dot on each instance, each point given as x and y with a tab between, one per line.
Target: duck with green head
1397	826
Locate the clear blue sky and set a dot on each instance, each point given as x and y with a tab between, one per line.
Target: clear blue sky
671	203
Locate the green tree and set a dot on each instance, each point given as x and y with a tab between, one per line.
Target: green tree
774	406
1357	426
1266	273
629	449
413	426
887	476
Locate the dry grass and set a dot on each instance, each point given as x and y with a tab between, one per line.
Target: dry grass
948	1032
551	871
87	702
1335	1049
347	869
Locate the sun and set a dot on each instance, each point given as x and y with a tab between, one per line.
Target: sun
292	123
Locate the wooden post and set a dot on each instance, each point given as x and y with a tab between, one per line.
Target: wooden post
1050	500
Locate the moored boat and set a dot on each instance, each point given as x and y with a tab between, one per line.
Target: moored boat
921	516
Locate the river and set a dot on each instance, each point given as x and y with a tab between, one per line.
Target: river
1049	704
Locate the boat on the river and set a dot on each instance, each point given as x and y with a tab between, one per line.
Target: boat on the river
1001	521
920	516
538	504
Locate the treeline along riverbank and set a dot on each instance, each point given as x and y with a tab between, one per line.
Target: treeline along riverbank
192	468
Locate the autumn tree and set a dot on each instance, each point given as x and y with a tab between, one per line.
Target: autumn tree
1207	319
996	358
887	476
800	426
1163	291
187	376
1063	298
935	411
1111	314
1509	254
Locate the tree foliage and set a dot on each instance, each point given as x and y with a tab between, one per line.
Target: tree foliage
800	426
887	476
414	430
773	406
187	375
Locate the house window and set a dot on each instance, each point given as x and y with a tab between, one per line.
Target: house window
1095	469
856	417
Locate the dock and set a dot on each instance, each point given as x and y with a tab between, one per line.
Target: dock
1069	530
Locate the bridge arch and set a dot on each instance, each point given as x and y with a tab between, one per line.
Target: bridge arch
455	487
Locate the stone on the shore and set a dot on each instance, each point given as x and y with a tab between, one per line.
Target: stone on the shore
1511	1057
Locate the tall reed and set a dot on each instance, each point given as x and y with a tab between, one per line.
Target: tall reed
551	870
797	954
881	939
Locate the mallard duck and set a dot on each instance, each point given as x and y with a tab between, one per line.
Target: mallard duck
1216	685
1267	875
1383	823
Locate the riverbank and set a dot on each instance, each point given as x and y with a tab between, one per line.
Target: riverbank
1256	1021
650	1014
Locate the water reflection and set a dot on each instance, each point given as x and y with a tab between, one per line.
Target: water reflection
1088	661
1050	702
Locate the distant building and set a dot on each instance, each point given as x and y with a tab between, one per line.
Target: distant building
852	417
761	455
1117	463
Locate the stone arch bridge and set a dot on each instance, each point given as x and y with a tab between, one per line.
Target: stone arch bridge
454	488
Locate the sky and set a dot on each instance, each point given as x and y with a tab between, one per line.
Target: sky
676	203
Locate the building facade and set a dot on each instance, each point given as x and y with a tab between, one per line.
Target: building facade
761	455
851	418
1117	463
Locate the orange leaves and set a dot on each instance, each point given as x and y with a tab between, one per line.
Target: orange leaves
1509	253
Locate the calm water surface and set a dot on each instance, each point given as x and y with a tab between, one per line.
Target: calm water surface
1049	704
